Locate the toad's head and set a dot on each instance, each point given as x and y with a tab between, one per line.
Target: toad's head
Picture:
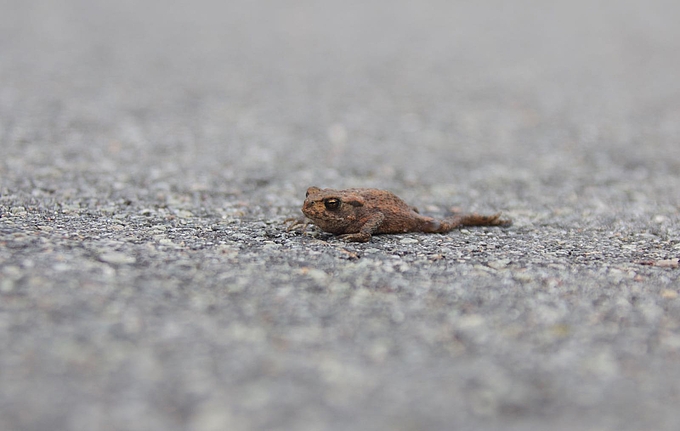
334	211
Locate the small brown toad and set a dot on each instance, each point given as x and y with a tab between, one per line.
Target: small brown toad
356	214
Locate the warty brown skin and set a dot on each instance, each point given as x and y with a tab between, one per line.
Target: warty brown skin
356	214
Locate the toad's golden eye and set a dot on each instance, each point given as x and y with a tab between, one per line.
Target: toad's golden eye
332	203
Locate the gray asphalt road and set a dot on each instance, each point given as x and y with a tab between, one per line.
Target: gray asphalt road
150	153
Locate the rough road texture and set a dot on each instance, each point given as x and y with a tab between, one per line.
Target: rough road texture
150	153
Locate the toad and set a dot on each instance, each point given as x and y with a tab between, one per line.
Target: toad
356	214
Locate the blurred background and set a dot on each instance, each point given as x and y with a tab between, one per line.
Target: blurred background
322	91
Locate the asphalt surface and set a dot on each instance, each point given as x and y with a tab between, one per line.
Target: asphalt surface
150	153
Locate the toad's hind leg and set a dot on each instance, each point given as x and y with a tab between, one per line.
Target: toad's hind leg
457	221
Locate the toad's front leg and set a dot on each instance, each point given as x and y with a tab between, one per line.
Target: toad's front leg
367	229
293	223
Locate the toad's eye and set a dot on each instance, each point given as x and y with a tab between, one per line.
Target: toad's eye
332	203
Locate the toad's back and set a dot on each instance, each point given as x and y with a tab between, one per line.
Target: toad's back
399	216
